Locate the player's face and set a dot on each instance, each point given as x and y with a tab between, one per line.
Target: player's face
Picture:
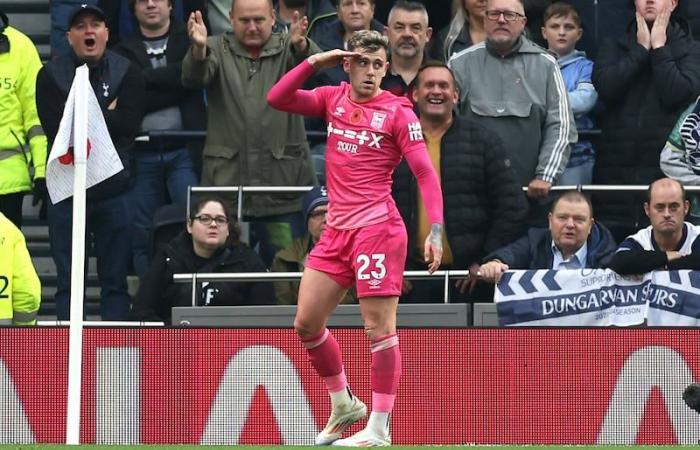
435	94
366	72
561	33
252	22
666	209
213	235
317	221
88	37
408	33
570	224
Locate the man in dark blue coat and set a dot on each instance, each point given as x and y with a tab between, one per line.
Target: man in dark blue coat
573	241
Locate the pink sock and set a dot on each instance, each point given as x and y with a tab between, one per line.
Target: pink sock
324	354
385	373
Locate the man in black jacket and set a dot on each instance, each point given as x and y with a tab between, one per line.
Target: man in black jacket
668	243
164	169
573	241
645	79
485	207
118	87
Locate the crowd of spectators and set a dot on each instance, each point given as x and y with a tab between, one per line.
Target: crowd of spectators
501	88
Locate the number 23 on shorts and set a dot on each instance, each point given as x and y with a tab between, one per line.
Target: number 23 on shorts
371	266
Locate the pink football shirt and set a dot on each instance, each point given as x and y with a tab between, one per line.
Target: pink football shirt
365	144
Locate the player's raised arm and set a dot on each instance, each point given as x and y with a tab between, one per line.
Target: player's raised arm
287	94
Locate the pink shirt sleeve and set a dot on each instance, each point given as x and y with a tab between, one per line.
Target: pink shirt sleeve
428	183
409	137
286	95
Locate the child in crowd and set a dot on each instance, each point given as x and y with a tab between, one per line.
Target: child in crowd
562	30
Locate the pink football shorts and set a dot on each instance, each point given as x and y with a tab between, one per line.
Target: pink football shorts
373	257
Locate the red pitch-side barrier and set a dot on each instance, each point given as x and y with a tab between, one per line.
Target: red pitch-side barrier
255	386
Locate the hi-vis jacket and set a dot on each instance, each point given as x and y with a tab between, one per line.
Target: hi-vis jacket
22	141
20	289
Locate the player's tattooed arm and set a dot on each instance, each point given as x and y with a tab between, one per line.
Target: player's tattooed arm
433	247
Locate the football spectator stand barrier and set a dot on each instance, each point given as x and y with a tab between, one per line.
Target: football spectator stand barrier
253	385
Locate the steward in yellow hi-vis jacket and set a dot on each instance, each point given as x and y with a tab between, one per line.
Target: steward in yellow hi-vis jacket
22	140
20	289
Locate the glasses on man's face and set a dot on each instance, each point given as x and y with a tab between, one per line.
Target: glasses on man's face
510	16
207	220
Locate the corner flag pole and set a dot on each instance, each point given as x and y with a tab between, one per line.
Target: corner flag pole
75	348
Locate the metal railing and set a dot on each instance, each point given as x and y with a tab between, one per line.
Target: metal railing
195	278
243	189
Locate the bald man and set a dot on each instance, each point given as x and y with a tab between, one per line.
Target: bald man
669	243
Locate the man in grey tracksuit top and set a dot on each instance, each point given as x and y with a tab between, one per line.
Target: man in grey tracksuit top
515	88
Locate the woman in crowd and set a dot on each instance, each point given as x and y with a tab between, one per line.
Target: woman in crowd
210	243
465	30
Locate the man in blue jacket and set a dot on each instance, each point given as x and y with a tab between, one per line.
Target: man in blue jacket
573	241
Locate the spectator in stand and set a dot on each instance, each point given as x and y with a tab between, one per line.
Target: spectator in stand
22	141
210	245
124	23
485	208
408	34
515	89
465	29
163	172
218	13
293	258
645	79
20	289
573	241
562	30
60	11
668	243
248	143
333	32
680	157
119	88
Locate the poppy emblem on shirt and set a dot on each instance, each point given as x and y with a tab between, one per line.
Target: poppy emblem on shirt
356	116
378	120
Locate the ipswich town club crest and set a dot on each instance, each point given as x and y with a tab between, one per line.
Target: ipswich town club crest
378	120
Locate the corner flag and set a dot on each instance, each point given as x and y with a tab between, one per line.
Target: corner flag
103	160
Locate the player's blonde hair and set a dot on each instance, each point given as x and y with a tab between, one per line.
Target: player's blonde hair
369	40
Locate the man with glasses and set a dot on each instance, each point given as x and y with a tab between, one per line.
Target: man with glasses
515	89
668	243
